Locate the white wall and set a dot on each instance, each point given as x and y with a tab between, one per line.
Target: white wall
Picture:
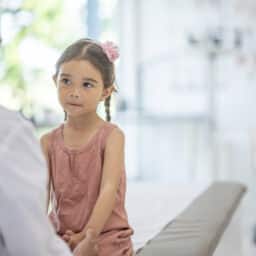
183	90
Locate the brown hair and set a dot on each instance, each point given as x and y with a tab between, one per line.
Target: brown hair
89	50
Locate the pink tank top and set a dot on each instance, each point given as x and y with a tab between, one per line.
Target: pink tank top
76	178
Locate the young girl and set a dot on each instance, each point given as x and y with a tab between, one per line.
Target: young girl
85	154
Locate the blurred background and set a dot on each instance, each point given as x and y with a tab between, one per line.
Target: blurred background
186	82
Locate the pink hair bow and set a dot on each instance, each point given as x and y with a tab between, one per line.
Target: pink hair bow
111	50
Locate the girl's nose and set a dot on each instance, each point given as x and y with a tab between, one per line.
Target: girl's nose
75	93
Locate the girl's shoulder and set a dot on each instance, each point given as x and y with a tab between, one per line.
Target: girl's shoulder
111	128
113	133
46	139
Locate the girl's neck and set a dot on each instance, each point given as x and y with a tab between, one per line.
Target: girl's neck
82	123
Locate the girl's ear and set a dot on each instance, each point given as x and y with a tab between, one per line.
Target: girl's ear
106	93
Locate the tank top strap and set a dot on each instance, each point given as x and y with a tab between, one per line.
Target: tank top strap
53	143
108	128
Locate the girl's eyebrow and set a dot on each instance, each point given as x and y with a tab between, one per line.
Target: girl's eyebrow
90	79
64	74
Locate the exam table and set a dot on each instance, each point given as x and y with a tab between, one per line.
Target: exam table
186	220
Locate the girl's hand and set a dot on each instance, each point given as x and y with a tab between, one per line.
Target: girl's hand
73	239
124	235
87	246
66	237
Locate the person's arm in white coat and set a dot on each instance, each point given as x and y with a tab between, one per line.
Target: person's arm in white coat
24	226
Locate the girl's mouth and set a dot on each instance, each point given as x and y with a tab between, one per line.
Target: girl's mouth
74	104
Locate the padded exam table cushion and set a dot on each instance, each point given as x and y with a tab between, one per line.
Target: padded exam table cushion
198	229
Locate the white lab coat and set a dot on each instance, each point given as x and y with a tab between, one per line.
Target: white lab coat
24	226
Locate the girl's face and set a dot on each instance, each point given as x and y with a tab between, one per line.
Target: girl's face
80	87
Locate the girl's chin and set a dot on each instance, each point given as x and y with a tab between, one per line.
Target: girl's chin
73	109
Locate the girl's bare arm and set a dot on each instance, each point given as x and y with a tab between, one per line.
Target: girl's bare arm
113	168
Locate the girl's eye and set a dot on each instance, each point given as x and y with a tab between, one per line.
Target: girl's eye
87	85
66	81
